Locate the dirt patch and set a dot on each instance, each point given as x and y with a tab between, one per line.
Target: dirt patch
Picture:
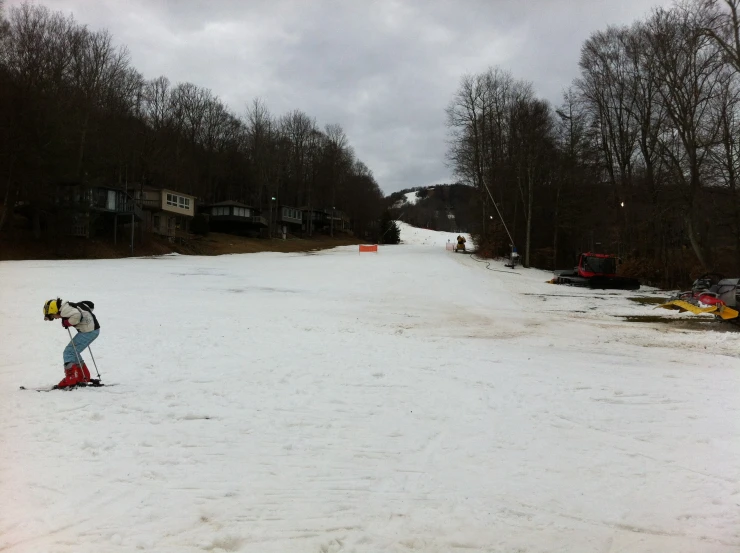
697	323
18	243
649	300
219	244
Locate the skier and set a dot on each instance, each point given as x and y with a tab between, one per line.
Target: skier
80	316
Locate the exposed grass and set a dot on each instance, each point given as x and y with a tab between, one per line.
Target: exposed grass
217	244
17	243
689	323
655	300
654	319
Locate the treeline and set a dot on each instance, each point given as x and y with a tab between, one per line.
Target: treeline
73	108
642	158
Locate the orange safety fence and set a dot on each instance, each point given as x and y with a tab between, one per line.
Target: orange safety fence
365	248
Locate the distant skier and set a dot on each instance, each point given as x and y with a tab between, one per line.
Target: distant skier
80	316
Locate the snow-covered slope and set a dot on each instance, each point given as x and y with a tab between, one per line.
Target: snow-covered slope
423	237
409	400
411	198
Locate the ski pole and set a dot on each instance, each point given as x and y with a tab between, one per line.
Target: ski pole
93	360
71	341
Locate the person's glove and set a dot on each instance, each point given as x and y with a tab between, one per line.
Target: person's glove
66	323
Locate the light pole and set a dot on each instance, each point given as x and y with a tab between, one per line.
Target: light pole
269	226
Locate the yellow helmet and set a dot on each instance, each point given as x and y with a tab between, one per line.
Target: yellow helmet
51	307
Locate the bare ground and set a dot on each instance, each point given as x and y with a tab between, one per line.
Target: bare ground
17	243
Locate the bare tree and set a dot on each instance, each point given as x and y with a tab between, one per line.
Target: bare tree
533	147
610	92
96	66
72	107
688	65
726	156
297	127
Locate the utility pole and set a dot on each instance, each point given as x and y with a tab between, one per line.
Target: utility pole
269	226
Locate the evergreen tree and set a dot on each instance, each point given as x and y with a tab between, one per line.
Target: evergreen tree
389	231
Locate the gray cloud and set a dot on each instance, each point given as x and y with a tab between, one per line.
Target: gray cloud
384	70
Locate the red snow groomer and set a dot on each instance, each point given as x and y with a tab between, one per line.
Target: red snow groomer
595	270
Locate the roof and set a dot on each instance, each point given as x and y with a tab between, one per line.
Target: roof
149	188
228	203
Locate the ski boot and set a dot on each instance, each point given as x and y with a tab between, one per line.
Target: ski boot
85	373
73	376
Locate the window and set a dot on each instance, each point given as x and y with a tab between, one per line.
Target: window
178	201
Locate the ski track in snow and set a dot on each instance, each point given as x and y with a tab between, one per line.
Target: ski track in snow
409	400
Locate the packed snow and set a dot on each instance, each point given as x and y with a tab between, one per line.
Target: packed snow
409	198
424	237
409	400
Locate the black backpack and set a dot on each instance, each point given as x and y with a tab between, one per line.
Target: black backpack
88	306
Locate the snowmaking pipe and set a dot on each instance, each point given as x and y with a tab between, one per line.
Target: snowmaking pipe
499	213
395	221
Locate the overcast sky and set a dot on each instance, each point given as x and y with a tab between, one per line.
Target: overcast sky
385	70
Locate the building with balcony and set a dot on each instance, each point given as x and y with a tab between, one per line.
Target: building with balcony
288	220
88	210
234	218
314	220
167	212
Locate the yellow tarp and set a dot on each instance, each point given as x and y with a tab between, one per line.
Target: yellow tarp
721	311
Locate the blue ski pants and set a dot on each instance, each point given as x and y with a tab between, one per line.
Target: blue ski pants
81	341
